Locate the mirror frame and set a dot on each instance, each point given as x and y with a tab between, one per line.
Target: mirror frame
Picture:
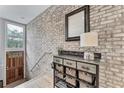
86	22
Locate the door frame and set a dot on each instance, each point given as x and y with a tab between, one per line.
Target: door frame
7	49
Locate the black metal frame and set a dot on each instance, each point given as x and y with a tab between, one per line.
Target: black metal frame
96	81
86	23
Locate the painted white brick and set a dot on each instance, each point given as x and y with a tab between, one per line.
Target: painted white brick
46	33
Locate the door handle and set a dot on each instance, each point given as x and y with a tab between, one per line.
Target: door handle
7	68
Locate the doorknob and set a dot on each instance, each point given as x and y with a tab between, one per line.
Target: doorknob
7	68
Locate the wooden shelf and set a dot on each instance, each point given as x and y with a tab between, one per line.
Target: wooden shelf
65	82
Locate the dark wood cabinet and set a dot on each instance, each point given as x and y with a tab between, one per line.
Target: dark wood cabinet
75	72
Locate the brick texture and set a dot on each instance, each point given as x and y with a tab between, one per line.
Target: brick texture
47	33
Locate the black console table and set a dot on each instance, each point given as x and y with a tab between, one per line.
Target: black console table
72	71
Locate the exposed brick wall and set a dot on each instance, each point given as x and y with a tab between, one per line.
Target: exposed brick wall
46	33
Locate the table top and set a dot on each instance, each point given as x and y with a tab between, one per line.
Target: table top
78	59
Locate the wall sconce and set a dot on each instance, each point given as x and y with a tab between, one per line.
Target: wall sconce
89	39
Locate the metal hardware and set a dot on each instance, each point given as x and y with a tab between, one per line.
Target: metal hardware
69	63
85	68
40	59
57	60
7	68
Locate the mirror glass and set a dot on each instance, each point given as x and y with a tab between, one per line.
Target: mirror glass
76	24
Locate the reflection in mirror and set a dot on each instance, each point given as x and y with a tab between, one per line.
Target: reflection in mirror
76	24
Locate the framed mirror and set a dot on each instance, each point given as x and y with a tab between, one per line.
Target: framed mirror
76	23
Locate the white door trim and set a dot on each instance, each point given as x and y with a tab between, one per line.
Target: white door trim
7	49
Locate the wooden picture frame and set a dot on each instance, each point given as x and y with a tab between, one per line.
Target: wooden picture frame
76	23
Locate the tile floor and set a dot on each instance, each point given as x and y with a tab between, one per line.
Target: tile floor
38	82
12	85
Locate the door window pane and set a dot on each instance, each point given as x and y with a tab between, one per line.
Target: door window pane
15	36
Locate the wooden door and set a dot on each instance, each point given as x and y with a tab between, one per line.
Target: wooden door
14	66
